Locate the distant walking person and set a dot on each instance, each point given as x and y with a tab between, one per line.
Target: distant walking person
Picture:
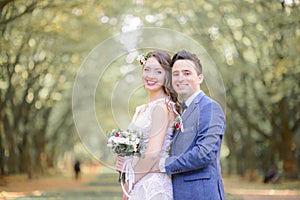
77	169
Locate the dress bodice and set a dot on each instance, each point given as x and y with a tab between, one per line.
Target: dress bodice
142	121
153	185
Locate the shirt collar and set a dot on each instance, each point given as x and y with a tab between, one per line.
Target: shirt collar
191	98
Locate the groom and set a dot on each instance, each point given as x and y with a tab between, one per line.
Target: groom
195	153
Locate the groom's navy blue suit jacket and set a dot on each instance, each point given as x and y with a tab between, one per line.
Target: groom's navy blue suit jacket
195	153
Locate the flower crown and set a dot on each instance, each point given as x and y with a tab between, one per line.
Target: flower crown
142	59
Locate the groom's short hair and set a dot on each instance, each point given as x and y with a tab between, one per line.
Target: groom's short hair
185	55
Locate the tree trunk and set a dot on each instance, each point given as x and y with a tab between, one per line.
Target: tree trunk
25	156
39	144
231	161
1	146
287	146
250	173
2	156
290	168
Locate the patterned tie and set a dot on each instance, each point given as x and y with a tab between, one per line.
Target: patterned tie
183	105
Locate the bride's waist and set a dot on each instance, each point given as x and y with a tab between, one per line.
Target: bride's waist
155	176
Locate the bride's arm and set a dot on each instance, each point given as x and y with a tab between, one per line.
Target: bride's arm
160	121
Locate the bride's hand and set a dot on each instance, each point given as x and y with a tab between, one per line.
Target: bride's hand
119	163
124	197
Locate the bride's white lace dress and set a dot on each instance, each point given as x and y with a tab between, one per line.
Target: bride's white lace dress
153	185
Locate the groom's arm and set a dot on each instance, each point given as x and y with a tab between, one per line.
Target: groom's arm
207	142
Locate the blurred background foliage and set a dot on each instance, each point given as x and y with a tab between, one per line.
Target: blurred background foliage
254	43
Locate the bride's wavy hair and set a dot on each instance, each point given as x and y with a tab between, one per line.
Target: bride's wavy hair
164	60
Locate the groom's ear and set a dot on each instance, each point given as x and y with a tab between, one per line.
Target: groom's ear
200	78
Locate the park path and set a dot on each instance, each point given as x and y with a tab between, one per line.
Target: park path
245	190
105	186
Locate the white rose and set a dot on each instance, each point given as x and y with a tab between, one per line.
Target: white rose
109	145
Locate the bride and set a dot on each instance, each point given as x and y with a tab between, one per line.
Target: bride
156	121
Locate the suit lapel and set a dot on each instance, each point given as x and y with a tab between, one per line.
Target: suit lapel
188	111
185	116
192	107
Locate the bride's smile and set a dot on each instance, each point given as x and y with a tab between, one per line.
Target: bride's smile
153	75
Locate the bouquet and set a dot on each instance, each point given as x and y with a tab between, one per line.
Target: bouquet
125	143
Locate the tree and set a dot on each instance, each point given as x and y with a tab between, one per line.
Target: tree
253	43
42	46
33	79
263	90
